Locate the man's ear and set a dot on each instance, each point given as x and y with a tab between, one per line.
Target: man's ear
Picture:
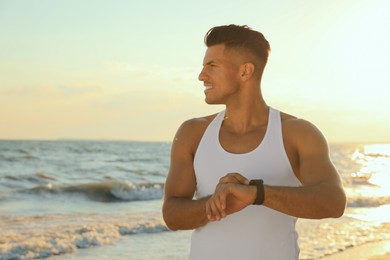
247	70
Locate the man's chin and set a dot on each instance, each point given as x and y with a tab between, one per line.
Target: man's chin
212	102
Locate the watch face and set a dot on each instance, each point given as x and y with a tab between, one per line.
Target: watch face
253	182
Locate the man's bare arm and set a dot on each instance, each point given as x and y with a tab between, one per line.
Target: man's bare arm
180	211
322	194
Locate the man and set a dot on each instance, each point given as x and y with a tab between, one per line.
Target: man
242	177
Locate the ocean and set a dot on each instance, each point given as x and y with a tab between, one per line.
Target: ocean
102	200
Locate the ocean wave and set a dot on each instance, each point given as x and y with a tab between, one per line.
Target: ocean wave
130	192
367	202
318	239
2	196
107	191
26	179
17	158
129	160
35	237
378	155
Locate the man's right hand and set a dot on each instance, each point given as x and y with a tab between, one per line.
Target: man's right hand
231	195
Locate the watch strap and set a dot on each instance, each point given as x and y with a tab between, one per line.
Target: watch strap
260	191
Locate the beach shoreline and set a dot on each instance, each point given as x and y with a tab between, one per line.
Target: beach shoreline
378	250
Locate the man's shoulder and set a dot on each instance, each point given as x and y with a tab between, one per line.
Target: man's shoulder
294	124
298	132
190	132
196	124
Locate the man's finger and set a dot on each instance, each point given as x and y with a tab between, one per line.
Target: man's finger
234	178
213	211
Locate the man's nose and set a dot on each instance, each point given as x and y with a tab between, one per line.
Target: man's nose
202	75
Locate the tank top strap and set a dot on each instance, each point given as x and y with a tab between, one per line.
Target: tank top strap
219	118
275	127
274	124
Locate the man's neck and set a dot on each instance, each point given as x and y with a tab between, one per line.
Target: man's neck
242	117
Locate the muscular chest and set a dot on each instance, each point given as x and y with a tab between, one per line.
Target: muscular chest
241	143
244	143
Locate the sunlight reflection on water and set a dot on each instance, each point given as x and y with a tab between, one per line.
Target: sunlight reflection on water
375	171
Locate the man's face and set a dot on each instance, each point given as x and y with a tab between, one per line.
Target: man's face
220	75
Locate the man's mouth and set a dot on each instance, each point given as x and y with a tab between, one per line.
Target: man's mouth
207	86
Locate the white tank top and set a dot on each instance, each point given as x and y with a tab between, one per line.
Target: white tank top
256	232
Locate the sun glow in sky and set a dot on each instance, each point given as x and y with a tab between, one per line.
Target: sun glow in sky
128	69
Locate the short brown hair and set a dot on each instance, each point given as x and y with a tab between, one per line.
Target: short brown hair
240	37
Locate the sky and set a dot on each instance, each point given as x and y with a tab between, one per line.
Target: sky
127	70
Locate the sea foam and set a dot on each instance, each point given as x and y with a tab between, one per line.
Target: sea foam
107	191
32	237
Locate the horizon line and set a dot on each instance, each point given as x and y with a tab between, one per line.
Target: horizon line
156	141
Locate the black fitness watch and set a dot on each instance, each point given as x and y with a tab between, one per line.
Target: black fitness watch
260	191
